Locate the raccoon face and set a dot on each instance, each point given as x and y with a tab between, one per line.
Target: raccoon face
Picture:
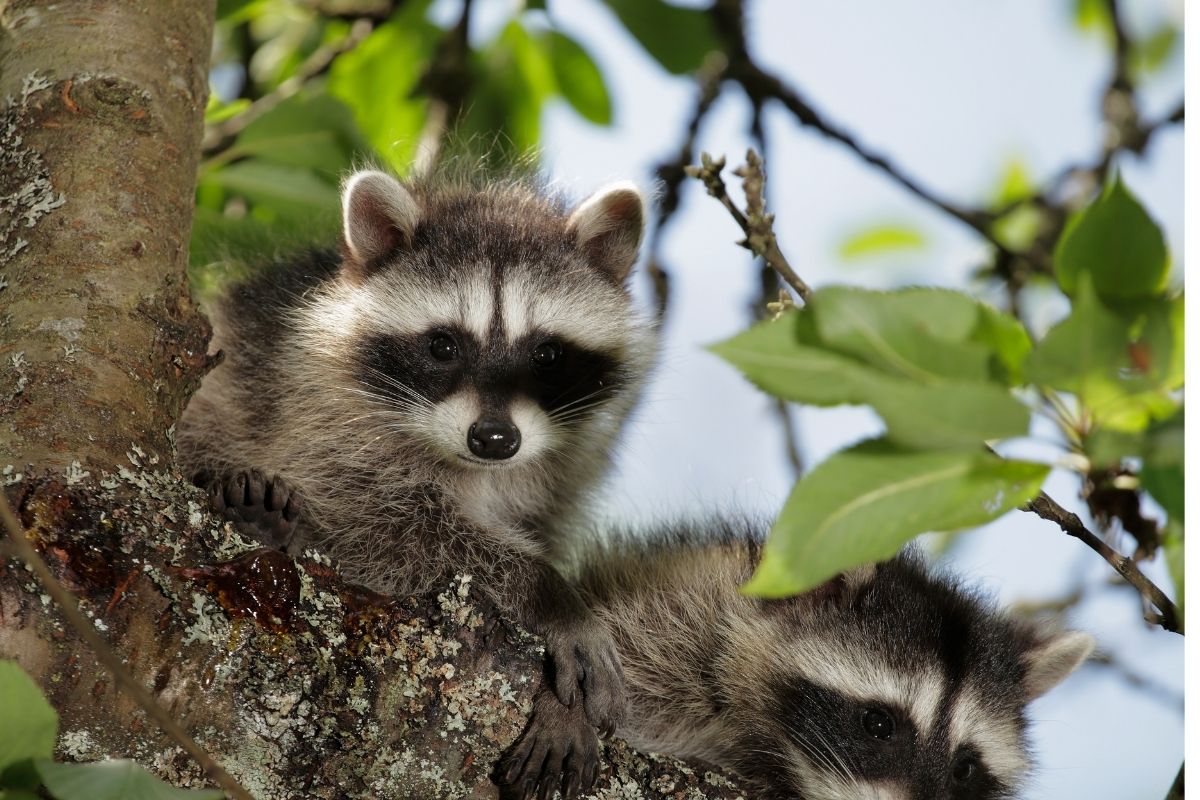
907	688
491	328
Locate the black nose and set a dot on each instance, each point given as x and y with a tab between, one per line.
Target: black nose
494	439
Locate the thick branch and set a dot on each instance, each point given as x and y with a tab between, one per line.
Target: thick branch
87	631
1168	616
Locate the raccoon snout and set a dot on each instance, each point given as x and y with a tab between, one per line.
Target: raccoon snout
494	439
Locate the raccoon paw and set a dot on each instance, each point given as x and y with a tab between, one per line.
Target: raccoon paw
265	510
557	750
584	661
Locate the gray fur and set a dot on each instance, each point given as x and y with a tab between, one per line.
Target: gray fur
776	689
388	486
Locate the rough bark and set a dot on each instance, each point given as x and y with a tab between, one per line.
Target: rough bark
99	340
300	685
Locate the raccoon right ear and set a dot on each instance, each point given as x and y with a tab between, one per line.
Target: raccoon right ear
608	228
379	216
1052	658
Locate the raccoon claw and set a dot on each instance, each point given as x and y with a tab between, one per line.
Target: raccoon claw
589	665
557	751
266	510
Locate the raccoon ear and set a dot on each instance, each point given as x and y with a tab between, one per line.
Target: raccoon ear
608	228
378	216
1052	658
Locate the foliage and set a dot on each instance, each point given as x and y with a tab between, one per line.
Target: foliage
948	374
28	731
320	98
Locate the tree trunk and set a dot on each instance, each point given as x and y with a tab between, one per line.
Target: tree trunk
300	685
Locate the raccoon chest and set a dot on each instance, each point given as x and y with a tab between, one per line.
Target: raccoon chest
500	501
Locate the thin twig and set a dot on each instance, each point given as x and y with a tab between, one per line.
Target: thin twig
20	543
1176	791
1154	598
220	136
671	175
756	223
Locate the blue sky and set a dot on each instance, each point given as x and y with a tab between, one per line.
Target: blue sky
952	90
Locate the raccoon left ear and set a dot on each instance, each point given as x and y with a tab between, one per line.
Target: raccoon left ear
1052	658
608	228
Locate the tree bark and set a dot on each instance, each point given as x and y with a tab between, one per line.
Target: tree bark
300	685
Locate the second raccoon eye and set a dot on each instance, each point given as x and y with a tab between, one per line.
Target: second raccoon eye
442	347
547	354
963	769
878	724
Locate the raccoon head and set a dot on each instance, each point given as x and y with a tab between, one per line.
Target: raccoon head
902	686
486	323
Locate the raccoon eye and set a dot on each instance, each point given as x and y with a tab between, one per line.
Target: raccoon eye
878	723
442	347
963	769
546	354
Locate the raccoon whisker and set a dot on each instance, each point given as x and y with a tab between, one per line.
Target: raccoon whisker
578	400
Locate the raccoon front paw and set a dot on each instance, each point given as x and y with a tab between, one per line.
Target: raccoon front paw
265	510
558	750
584	661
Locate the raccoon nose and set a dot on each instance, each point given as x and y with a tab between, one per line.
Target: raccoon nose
494	439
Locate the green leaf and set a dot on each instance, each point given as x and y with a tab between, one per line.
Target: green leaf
1116	242
28	725
1092	15
315	132
117	779
1090	354
881	239
17	794
578	78
1006	338
1149	54
785	358
1015	184
219	112
1173	552
1163	464
861	505
678	38
378	78
269	183
920	334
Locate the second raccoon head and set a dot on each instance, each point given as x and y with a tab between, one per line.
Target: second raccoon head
486	323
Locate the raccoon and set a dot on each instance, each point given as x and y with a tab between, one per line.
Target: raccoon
439	397
890	681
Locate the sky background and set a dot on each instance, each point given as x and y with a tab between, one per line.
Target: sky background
952	90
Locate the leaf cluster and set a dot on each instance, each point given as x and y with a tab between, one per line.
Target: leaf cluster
951	377
28	732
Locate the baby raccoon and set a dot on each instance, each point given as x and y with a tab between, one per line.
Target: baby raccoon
438	398
890	681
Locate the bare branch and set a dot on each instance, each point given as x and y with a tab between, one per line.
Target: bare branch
1176	791
756	223
1168	616
671	174
20	544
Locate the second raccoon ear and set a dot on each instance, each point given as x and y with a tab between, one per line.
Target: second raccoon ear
378	216
1052	658
608	229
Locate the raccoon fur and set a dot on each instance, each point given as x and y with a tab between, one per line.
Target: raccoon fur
891	681
440	397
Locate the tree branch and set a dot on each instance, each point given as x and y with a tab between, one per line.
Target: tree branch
20	544
671	174
1153	597
447	83
756	223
